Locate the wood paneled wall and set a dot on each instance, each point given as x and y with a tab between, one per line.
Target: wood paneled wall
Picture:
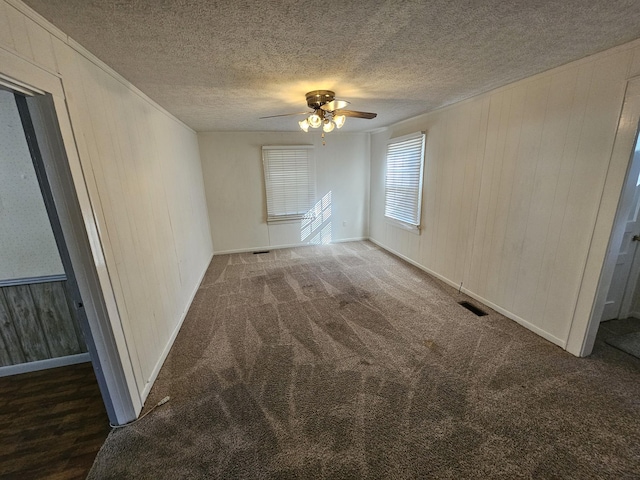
141	169
37	323
513	182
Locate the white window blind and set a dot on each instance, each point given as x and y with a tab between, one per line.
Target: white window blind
289	177
403	181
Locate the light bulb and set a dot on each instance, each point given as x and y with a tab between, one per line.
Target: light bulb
328	126
314	120
304	125
339	120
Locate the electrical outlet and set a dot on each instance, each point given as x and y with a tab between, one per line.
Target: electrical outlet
344	224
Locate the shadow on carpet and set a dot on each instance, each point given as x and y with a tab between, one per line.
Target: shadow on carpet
628	343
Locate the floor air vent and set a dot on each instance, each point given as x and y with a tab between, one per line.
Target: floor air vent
261	251
473	308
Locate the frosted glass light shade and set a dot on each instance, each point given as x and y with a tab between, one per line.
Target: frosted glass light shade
339	120
304	125
328	126
314	120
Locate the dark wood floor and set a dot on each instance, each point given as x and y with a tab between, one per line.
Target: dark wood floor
52	423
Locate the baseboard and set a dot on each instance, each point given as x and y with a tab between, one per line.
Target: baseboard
355	239
529	326
44	364
280	247
258	249
497	308
172	339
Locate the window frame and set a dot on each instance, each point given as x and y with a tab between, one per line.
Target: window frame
399	222
272	214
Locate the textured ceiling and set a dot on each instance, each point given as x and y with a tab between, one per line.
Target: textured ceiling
219	65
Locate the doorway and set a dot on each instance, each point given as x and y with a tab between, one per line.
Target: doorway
620	321
54	418
40	327
607	289
623	299
53	142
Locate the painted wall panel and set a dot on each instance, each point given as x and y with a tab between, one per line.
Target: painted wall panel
234	182
604	102
19	34
543	183
513	182
5	27
41	46
150	191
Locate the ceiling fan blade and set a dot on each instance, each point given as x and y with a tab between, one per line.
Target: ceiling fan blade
287	115
353	113
334	105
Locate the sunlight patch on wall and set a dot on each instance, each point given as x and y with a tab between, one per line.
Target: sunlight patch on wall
316	224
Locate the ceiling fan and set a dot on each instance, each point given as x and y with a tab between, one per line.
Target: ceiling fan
327	113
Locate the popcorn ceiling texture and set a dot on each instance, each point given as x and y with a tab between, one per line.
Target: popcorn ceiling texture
219	65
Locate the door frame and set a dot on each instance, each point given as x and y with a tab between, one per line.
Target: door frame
628	202
626	306
61	163
615	205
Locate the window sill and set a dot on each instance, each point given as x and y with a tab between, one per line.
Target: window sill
415	229
287	219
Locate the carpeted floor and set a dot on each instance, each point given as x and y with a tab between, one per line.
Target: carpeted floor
343	362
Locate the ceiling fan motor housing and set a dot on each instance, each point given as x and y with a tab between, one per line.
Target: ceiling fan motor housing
317	98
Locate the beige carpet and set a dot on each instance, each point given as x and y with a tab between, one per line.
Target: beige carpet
343	362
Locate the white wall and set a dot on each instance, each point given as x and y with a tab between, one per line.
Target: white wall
234	184
142	171
513	183
27	246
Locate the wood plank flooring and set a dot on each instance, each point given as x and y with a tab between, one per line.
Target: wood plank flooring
52	423
37	323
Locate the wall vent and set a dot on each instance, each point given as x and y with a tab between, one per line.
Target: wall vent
473	309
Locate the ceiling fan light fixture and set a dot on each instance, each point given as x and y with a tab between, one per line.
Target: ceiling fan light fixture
314	120
328	126
326	112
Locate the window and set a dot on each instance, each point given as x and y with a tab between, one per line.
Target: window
403	182
289	177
